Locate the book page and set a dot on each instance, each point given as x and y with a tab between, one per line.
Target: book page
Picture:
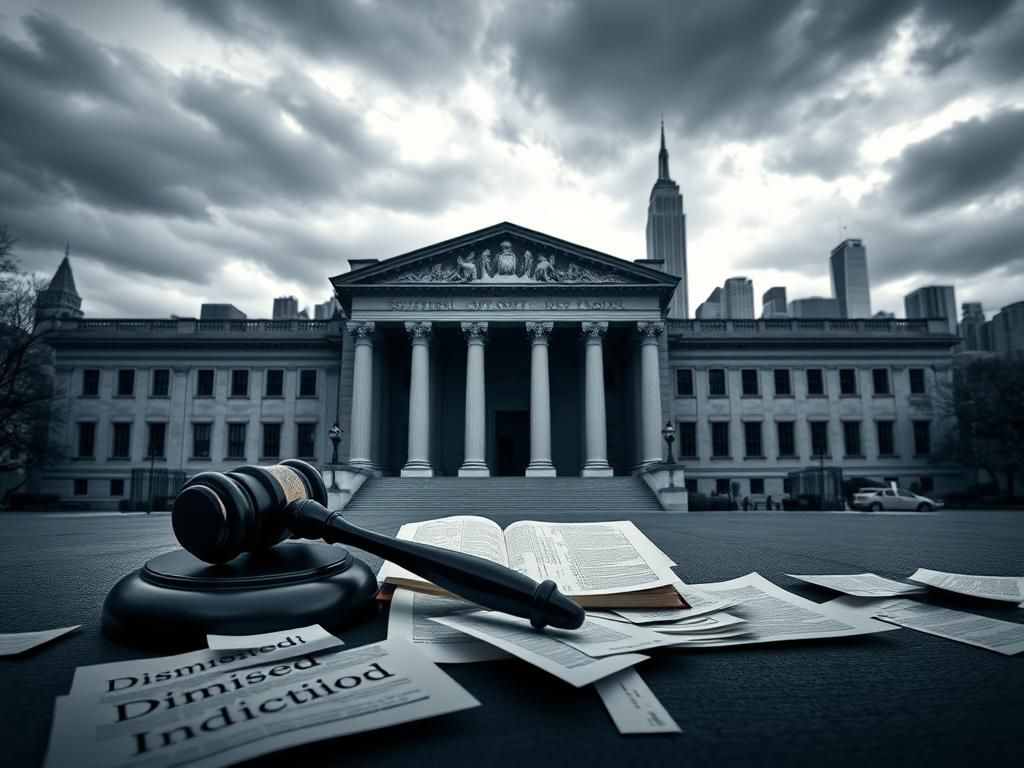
1006	588
588	558
462	533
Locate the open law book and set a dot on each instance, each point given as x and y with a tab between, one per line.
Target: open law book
599	565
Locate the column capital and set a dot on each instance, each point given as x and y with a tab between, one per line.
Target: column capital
362	332
539	332
419	331
593	331
649	331
475	331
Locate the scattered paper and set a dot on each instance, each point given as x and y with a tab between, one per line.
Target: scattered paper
600	637
775	615
289	638
13	643
410	617
714	623
234	716
1006	588
700	603
140	675
632	705
1005	637
862	585
539	648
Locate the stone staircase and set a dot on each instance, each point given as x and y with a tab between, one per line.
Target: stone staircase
523	496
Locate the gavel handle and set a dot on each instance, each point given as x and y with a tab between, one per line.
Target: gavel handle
480	581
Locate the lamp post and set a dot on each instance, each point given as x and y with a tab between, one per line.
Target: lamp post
668	434
152	497
335	435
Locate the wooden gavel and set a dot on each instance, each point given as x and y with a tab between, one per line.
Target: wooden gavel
219	515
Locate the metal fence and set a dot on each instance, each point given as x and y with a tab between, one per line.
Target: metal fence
155	488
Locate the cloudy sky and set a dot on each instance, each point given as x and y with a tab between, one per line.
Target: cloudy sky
237	151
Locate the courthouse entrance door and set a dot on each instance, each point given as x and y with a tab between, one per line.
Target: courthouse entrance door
512	442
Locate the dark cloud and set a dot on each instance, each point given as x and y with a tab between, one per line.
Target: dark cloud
947	28
973	160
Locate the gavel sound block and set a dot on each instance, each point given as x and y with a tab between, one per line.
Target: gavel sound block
237	574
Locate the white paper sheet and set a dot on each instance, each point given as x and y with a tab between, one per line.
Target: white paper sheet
313	635
600	637
1006	588
539	648
410	617
471	534
700	603
13	643
862	585
632	705
235	716
713	623
1005	637
775	615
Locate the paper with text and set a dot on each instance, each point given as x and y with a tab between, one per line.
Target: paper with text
1006	588
862	585
700	603
238	715
410	617
714	623
287	638
538	648
632	705
461	533
13	643
601	637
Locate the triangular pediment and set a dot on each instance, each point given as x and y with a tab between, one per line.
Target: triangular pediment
504	255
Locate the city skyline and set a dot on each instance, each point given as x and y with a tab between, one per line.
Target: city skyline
407	125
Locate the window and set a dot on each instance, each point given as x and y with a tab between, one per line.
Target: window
236	440
922	438
125	382
757	485
691	485
916	381
752	439
307	383
851	438
787	438
684	382
306	442
687	435
880	381
117	487
886	443
787	486
81	487
239	382
271	441
122	443
783	383
819	438
204	382
86	439
161	383
927	484
201	441
274	383
847	381
156	442
716	382
749	377
90	382
815	381
720	439
722	485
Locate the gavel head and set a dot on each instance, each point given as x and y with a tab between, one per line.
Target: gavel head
219	515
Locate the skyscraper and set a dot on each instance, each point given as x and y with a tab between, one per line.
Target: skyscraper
773	303
849	267
974	329
815	308
286	308
711	309
666	231
932	301
738	295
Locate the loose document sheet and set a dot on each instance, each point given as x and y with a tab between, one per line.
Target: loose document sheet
774	615
13	643
288	638
700	602
1005	637
1006	588
410	617
702	625
234	715
862	585
632	705
541	648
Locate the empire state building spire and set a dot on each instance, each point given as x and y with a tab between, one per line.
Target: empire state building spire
666	231
663	157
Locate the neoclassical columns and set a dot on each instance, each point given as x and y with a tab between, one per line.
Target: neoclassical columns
362	395
418	463
596	440
475	462
540	402
650	393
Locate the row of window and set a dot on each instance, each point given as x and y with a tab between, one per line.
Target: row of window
160	382
785	432
723	485
81	486
202	432
750	379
